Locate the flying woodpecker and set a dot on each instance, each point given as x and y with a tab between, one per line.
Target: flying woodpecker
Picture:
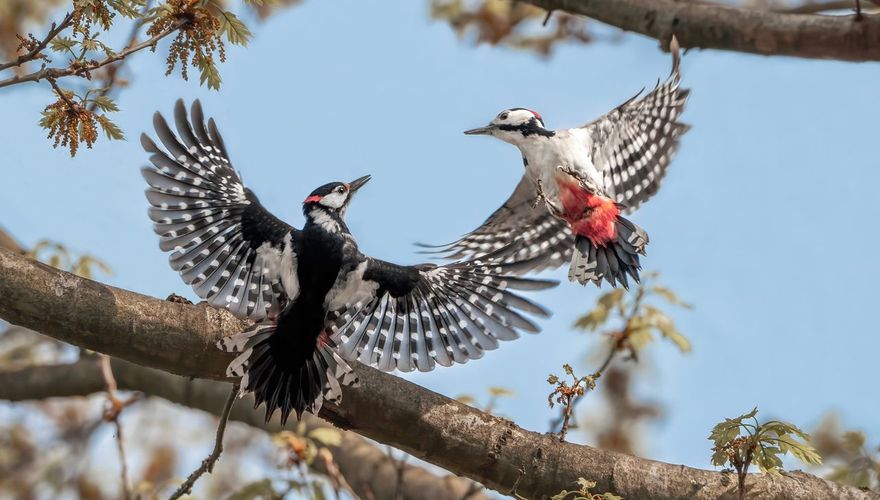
578	182
316	299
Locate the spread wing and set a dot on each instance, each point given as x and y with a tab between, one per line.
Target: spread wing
416	316
231	250
633	144
518	231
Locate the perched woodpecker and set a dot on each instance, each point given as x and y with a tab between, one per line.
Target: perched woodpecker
316	299
578	181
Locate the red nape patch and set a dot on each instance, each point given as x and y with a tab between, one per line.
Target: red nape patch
537	115
312	199
590	215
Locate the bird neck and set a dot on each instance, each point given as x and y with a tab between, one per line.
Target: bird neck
328	219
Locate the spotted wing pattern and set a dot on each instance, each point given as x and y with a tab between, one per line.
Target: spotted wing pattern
633	145
419	316
520	231
232	251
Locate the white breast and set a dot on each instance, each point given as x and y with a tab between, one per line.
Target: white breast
569	148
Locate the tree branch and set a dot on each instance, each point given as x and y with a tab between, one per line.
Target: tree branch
364	466
35	52
54	73
741	29
180	339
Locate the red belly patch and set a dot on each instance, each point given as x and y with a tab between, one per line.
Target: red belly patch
590	215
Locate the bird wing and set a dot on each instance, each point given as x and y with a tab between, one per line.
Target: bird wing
518	231
417	316
232	251
633	144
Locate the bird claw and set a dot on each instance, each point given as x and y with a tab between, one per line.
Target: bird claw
541	196
585	182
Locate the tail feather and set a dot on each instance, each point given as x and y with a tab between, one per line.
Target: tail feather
265	370
612	262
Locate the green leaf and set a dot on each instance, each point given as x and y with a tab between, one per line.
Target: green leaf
592	320
669	296
110	129
803	451
128	8
89	44
326	436
235	30
208	73
62	44
466	399
500	392
105	104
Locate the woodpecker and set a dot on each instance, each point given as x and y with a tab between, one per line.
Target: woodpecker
316	300
578	182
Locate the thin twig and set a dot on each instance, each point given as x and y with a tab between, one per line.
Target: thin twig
620	339
547	17
111	414
208	463
400	468
113	71
83	70
70	105
34	53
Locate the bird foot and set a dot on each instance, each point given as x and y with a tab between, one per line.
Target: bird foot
541	196
585	182
177	299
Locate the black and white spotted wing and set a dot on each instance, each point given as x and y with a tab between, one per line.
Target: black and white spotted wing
222	241
417	316
633	145
521	230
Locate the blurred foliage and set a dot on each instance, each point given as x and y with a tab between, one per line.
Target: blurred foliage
57	255
743	440
512	24
846	454
494	394
583	492
628	322
631	321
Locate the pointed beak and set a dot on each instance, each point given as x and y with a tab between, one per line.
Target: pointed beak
480	131
356	184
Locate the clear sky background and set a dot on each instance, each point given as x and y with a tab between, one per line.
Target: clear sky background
767	221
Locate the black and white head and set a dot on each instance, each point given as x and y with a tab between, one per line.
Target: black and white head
334	196
514	125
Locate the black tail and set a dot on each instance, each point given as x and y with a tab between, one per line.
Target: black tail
282	379
611	262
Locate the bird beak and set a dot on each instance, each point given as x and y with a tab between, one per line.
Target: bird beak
358	183
480	131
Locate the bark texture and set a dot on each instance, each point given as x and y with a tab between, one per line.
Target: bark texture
742	29
369	471
179	339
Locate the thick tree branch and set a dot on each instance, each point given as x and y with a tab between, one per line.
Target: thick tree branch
741	29
180	339
364	466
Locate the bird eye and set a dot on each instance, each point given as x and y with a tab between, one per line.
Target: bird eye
502	116
340	189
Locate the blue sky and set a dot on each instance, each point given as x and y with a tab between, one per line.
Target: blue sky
766	222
